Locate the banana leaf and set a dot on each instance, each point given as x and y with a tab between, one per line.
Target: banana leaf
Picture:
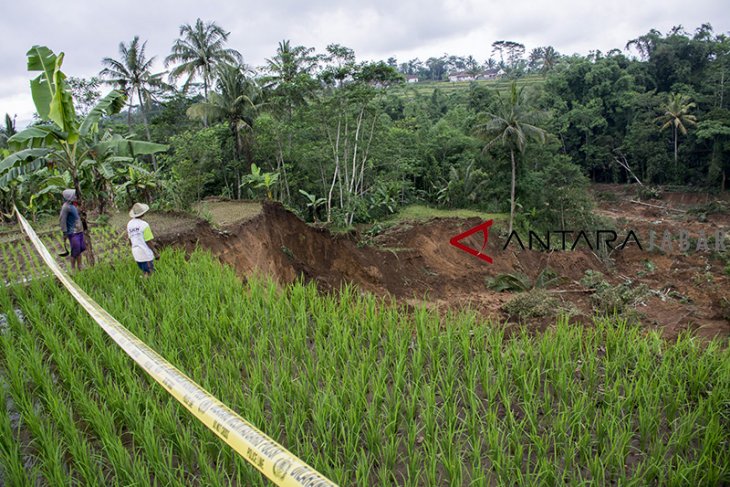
51	94
109	105
21	170
23	156
38	136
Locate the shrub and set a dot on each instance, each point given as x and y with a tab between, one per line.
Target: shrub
567	204
520	282
509	282
649	193
607	196
608	298
197	166
725	308
537	303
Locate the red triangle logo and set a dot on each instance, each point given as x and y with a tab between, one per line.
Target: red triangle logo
482	227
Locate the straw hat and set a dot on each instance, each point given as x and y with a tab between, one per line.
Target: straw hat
69	195
138	210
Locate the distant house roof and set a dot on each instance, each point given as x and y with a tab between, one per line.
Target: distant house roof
461	76
490	73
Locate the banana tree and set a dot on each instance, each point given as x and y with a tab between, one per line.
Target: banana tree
42	187
313	203
64	142
258	179
33	193
139	183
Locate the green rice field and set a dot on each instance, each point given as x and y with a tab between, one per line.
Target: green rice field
426	88
367	393
19	262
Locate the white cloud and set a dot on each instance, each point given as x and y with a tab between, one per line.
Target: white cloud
19	106
88	31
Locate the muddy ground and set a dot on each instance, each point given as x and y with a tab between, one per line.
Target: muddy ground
415	264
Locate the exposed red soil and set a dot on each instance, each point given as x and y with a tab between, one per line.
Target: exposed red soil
415	263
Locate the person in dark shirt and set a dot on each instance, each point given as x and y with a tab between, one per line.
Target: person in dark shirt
72	228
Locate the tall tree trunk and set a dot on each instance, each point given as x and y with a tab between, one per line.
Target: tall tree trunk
281	169
146	127
285	157
237	156
336	152
352	184
285	178
225	181
290	133
676	159
356	146
361	181
343	169
512	192
205	94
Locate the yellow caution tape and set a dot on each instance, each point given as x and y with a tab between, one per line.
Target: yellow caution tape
272	459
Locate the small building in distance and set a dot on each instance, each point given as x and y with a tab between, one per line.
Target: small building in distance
471	76
490	74
461	76
411	78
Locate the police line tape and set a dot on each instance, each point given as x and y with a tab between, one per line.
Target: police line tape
272	459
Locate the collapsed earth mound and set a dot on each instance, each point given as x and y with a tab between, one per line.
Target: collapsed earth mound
414	263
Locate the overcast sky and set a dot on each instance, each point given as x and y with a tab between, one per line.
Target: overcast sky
87	31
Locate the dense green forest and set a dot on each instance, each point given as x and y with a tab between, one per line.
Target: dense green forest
345	141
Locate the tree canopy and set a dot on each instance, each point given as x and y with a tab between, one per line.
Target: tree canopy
347	141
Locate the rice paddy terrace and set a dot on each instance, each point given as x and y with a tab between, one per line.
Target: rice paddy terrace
390	363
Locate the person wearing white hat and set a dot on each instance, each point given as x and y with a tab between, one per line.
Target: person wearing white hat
72	227
140	235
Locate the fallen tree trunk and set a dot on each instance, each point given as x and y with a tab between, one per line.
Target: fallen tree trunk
658	206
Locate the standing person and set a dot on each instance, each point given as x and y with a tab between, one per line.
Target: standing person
140	235
71	227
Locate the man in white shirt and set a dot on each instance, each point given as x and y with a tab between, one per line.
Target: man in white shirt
140	235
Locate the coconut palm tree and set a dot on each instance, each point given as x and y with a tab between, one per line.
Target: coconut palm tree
198	50
288	83
289	77
510	127
550	58
131	74
676	115
535	59
646	44
472	66
237	101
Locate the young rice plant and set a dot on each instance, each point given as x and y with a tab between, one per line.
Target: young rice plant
367	393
